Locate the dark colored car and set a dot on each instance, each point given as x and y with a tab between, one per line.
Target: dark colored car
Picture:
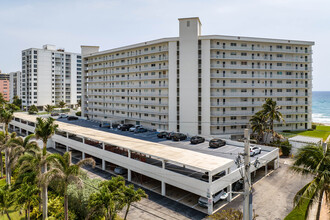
197	140
54	114
126	127
205	177
115	125
179	137
72	118
162	134
140	130
217	142
169	136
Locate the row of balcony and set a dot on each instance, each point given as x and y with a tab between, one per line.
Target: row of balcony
262	58
128	78
127	70
262	49
256	67
126	55
255	85
258	76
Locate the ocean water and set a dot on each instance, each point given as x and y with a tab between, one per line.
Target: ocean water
321	107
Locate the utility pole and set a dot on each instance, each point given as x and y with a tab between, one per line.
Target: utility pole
247	204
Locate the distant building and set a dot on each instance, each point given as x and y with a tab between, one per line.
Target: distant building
15	85
199	84
4	85
50	75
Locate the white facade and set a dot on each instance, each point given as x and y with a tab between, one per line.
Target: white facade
50	75
15	85
209	85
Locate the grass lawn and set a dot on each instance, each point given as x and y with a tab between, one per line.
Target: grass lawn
321	131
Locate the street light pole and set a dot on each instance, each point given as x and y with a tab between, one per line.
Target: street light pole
247	211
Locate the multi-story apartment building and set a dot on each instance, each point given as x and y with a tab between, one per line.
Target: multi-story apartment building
50	75
199	84
15	85
4	85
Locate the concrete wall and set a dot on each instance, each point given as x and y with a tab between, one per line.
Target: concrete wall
189	30
172	87
44	81
206	84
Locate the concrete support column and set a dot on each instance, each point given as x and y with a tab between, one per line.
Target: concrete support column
163	183
129	172
209	202
103	164
83	155
67	148
67	135
20	130
103	146
83	139
229	191
276	162
266	169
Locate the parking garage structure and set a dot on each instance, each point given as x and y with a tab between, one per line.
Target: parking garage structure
158	167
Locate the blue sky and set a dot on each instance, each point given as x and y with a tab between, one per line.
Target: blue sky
114	23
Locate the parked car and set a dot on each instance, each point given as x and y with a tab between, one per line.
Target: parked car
197	140
63	116
222	195
205	177
120	171
132	129
162	134
140	130
119	126
105	125
179	137
238	185
169	136
114	125
255	150
54	114
217	142
126	127
72	118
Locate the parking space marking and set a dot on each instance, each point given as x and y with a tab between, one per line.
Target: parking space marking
183	197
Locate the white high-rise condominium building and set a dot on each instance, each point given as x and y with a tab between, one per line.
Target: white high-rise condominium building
15	85
199	84
50	75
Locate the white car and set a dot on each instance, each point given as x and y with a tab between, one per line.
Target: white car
132	129
222	195
255	150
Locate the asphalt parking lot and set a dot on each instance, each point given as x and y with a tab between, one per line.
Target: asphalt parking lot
228	151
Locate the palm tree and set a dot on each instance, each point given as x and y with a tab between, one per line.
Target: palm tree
109	199
5	117
45	128
131	195
271	112
17	146
33	109
49	108
61	104
30	166
6	200
26	195
258	125
66	172
313	160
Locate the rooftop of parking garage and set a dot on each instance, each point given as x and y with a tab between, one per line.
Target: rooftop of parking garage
202	161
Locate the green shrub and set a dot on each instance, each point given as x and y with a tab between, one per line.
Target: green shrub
78	113
286	148
65	110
